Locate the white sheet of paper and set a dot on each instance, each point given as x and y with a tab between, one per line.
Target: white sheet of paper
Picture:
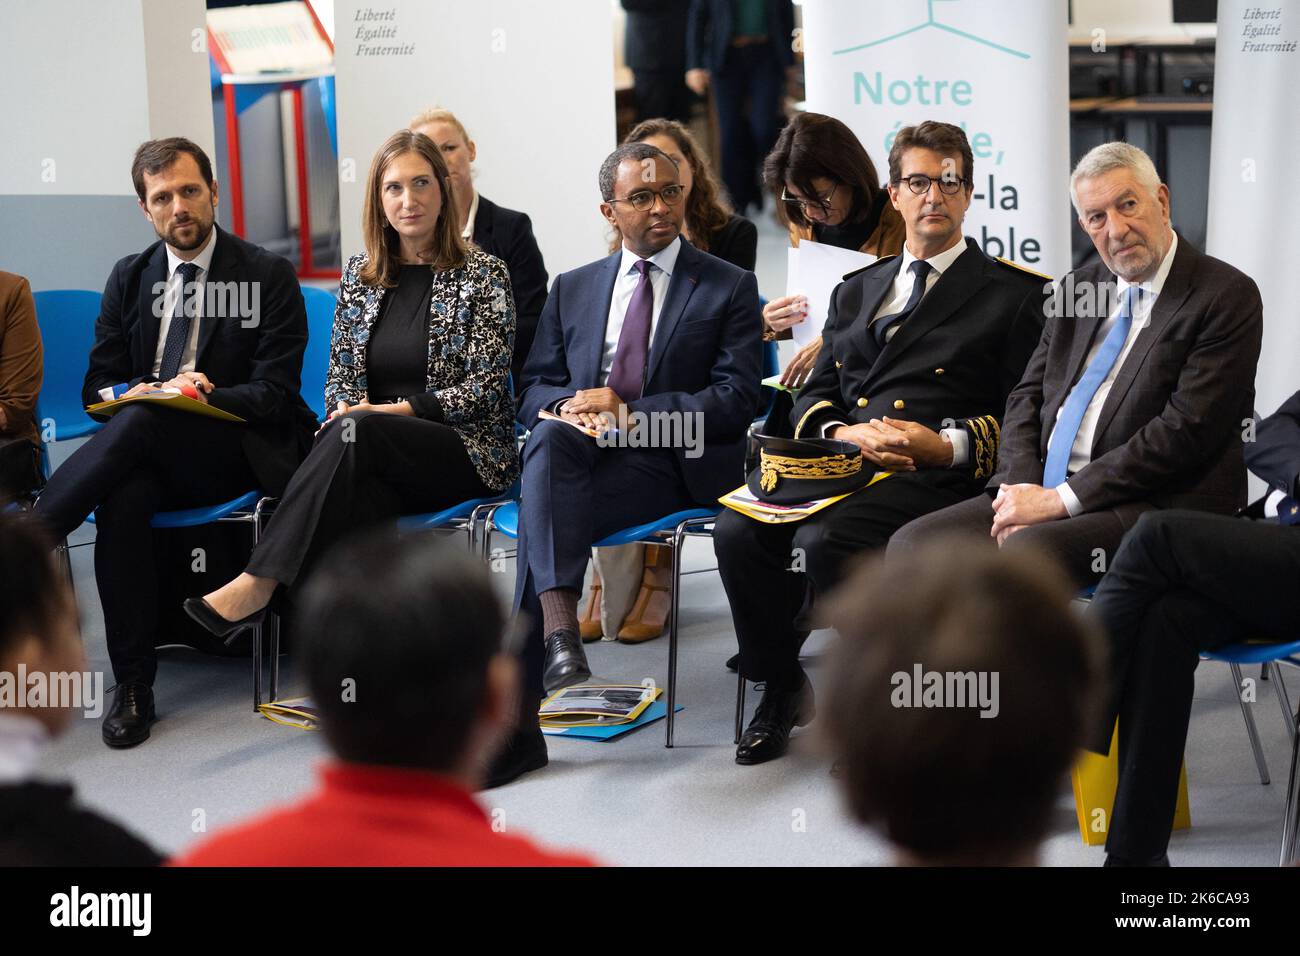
814	269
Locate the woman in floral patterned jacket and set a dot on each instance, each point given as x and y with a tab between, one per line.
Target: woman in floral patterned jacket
418	382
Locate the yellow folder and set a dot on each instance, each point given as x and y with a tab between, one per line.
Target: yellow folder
174	400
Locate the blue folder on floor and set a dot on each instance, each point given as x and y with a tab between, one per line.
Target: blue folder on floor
656	711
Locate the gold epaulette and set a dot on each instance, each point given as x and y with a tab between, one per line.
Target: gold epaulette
1018	267
803	418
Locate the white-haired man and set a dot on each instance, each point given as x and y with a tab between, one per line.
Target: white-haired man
1139	392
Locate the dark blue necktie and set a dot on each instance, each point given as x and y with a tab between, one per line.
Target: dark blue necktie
178	332
920	270
1076	405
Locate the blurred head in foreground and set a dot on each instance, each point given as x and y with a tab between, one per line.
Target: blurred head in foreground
963	688
404	657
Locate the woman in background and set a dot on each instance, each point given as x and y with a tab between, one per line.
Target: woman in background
498	231
831	193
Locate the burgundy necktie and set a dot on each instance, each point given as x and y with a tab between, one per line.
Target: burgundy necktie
627	373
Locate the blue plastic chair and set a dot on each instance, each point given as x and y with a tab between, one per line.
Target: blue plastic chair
252	509
321	306
67	321
464	517
671	530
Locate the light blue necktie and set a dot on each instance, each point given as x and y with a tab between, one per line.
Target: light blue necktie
1067	425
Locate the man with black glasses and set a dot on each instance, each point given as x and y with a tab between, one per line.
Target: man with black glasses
919	353
657	333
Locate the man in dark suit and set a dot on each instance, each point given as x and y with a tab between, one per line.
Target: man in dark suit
919	353
201	311
654	49
1184	582
657	335
1137	394
742	48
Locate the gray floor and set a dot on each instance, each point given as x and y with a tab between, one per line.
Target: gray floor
212	761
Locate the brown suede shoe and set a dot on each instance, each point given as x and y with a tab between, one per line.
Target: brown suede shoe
589	628
649	614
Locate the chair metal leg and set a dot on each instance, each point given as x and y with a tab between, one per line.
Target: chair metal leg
679	535
1291	821
1279	685
257	668
1251	730
740	703
273	646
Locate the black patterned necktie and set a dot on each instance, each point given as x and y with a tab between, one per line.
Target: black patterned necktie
920	270
178	332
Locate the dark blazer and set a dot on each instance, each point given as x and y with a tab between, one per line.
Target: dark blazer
1274	455
255	370
655	38
42	825
471	333
708	33
736	242
1170	431
706	356
951	364
508	235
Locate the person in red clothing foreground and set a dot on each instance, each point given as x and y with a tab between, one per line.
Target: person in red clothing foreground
402	645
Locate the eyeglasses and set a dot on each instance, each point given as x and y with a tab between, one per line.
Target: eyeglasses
643	200
823	204
920	184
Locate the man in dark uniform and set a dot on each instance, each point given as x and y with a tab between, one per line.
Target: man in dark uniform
920	352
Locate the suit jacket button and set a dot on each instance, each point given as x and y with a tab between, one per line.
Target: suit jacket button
938	371
839	364
862	403
898	403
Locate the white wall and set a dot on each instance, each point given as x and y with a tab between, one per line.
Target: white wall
87	81
532	82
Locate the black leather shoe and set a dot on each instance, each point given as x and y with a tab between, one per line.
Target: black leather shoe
127	721
768	734
525	751
1113	860
212	622
566	662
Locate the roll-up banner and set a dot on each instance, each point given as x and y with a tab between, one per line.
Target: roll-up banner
997	68
1253	150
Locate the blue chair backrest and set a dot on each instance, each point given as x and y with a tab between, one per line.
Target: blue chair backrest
316	360
67	321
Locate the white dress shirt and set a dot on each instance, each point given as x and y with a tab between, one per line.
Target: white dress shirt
895	301
1144	302
468	231
661	271
188	357
22	741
